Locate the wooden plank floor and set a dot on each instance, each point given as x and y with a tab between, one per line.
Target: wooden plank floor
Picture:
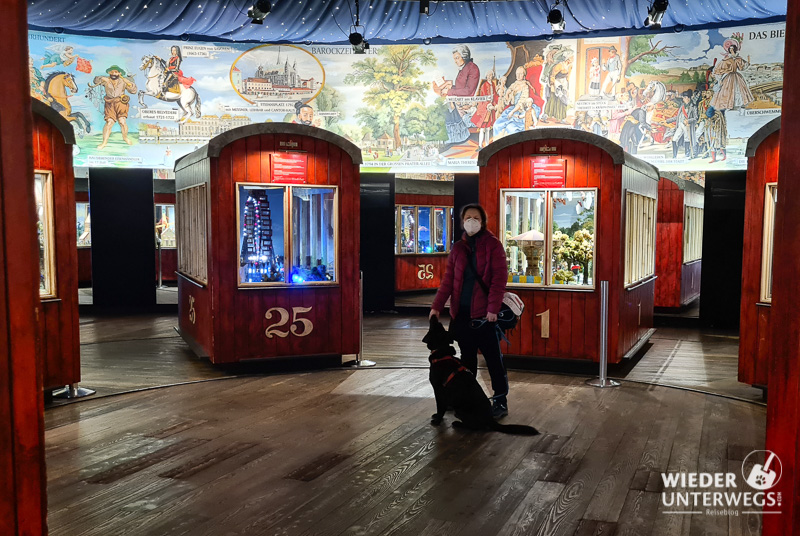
120	354
350	452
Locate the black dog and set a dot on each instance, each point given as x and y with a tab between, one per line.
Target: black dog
455	386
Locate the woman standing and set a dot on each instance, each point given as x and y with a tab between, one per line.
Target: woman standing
475	281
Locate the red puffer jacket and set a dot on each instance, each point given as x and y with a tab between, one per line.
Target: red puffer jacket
491	262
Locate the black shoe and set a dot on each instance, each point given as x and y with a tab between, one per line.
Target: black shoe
499	410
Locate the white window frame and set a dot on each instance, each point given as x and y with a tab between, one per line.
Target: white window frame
768	241
640	237
547	280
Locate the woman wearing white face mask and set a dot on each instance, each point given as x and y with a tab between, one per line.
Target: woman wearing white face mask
475	281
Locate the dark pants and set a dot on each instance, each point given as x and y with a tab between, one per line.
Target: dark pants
484	339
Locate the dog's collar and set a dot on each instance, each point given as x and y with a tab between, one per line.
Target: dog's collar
442	359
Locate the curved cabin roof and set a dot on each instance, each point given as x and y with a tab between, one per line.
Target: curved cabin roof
760	135
58	121
617	153
683	184
214	147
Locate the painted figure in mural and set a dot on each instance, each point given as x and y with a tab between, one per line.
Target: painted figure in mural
614	68
533	74
156	71
465	84
174	74
37	80
713	127
59	55
116	105
733	92
685	125
511	121
486	111
557	90
594	77
619	114
633	130
57	89
304	115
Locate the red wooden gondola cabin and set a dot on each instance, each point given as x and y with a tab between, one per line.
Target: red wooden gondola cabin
268	244
679	241
423	233
755	326
54	181
573	209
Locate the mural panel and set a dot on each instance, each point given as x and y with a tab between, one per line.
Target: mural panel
683	101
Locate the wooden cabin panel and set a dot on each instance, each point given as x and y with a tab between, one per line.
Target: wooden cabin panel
195	315
761	169
690	281
424	199
669	253
763	346
417	272
59	316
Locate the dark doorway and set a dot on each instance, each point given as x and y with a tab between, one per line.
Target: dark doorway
377	241
466	190
123	239
723	242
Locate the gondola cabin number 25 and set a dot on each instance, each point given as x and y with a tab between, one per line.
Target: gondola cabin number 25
300	327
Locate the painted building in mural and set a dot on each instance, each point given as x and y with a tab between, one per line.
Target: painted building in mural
682	101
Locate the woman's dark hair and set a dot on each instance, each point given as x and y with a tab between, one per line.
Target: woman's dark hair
477	207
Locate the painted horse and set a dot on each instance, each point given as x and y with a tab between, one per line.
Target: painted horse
155	70
655	92
58	88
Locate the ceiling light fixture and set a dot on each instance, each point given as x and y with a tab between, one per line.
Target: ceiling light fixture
259	11
656	14
556	19
424	7
356	37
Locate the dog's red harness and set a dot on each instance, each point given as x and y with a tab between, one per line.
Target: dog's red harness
461	368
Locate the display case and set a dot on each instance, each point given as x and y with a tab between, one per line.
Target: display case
679	244
572	210
165	225
423	232
166	236
54	187
83	220
268	244
761	195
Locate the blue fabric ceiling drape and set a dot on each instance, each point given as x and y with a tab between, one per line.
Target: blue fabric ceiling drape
329	21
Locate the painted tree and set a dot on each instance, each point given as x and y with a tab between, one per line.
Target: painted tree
330	100
392	79
639	53
425	120
577	249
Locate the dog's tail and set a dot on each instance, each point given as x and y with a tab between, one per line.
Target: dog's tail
516	429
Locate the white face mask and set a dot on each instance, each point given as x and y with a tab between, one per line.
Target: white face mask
472	226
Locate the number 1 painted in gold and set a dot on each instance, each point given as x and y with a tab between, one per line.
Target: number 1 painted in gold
545	324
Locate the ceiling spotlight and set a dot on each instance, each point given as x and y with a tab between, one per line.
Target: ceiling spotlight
556	20
656	13
360	45
427	41
258	11
424	7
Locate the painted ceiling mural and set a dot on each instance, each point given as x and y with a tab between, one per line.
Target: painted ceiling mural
682	101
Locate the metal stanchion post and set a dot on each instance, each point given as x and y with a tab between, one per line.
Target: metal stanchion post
361	362
72	391
602	381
